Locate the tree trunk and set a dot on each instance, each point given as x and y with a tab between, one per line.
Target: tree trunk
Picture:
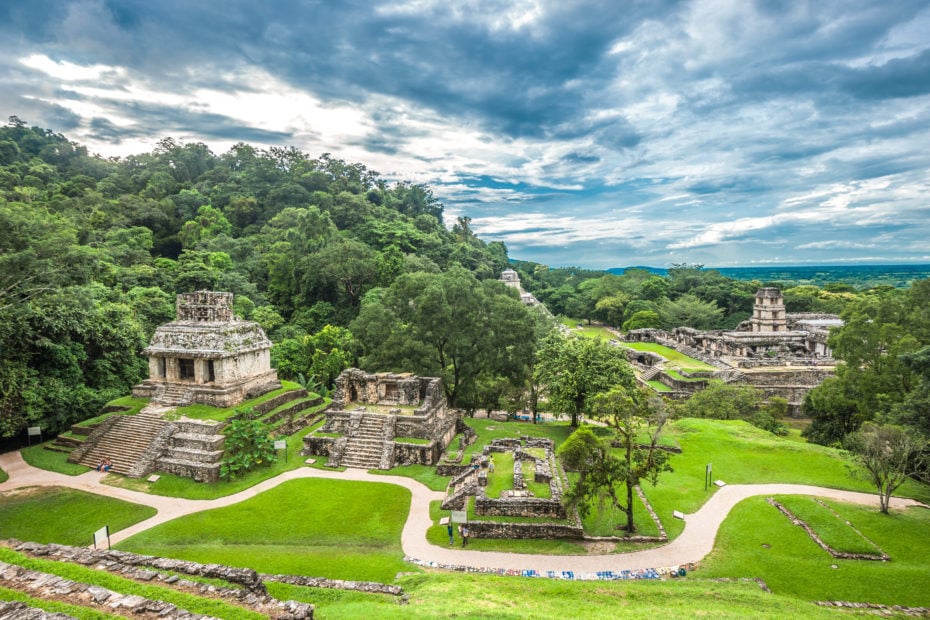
630	526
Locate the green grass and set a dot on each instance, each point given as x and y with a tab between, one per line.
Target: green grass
489	430
756	540
595	331
502	478
658	386
603	520
832	530
190	602
65	516
220	414
674	374
538	489
134	406
414	440
3	476
679	360
51	460
422	473
471	597
326	528
74	611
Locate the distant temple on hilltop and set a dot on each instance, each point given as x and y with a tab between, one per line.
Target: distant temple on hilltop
512	279
207	355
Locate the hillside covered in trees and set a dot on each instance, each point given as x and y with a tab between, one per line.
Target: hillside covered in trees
93	251
342	268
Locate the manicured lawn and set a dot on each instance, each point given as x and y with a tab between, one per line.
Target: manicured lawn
488	430
206	412
674	357
4	476
674	374
326	528
758	541
472	596
834	531
658	386
51	460
65	516
595	331
422	473
133	406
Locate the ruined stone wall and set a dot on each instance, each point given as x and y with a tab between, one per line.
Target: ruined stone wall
519	506
490	529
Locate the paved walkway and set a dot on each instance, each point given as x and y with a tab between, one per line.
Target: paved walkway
695	542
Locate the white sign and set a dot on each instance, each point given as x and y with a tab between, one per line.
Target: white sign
34	430
102	536
459	516
281	444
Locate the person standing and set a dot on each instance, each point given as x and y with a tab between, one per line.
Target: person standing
451	533
464	536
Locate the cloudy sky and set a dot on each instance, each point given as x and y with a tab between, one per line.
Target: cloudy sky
590	133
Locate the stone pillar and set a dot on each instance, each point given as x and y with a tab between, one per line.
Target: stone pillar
172	369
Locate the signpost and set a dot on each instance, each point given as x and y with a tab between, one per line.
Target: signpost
33	431
708	474
101	535
281	444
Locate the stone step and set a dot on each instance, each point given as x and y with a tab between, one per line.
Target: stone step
194	455
201	472
197	442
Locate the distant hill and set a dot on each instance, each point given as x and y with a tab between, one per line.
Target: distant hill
860	276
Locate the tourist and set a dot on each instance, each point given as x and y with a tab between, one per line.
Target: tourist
464	536
451	533
104	465
491	464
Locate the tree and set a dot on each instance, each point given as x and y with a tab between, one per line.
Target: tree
575	369
641	320
637	418
449	325
886	455
690	311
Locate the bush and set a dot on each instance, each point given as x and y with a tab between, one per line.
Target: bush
248	445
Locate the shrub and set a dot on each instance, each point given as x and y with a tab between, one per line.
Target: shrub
248	445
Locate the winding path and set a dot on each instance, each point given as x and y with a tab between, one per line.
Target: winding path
695	542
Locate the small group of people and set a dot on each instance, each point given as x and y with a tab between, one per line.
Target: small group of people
463	534
105	465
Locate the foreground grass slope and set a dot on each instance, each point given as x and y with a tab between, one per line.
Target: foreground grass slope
65	516
326	528
758	541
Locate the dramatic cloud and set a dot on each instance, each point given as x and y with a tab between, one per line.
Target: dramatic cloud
593	133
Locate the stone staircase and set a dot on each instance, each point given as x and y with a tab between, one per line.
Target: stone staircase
125	441
194	451
650	373
366	443
174	395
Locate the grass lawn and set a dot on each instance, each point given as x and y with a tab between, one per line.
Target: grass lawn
65	516
4	476
658	386
325	528
471	596
834	531
220	414
422	473
488	430
758	541
674	374
51	460
674	357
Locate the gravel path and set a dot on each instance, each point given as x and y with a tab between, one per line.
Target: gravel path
695	542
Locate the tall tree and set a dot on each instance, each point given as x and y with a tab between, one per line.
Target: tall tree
612	469
886	455
575	369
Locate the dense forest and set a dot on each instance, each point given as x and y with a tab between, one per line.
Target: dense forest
342	268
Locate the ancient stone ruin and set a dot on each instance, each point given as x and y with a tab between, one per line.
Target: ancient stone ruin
207	355
512	279
783	354
378	421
